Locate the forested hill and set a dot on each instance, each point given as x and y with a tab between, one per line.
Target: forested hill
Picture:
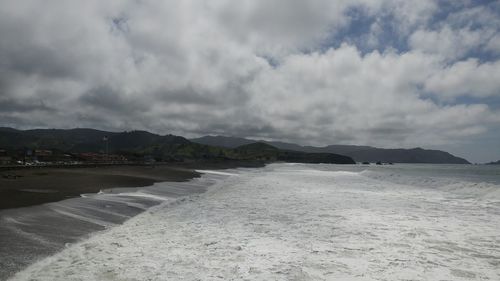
358	153
142	144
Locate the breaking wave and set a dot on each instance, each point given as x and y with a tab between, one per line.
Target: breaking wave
454	186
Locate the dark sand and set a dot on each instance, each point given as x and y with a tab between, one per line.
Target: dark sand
35	186
29	234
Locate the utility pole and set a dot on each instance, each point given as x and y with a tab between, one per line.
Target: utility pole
107	148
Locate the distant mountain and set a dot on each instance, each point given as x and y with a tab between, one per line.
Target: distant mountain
84	140
257	148
358	153
139	144
414	155
268	152
494	163
228	142
134	144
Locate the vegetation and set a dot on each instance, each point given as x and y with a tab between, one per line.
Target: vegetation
145	146
356	152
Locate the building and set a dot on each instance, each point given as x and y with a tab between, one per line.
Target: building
43	153
5	159
102	158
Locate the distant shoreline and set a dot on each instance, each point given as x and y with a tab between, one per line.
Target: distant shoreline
22	186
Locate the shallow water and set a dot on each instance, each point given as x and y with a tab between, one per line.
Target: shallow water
303	222
455	172
28	234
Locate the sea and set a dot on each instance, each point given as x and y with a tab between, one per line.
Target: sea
284	221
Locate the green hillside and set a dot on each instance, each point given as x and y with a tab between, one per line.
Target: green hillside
141	145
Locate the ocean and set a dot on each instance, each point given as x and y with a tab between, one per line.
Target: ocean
280	222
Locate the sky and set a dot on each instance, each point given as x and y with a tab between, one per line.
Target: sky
387	73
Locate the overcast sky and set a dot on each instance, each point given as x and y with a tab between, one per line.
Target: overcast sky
389	73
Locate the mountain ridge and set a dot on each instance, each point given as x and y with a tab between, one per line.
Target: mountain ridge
358	153
147	146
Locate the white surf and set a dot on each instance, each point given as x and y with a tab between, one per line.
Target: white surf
293	222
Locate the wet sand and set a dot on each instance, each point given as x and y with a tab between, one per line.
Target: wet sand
297	222
54	214
35	186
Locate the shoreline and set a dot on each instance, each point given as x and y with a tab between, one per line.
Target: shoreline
34	230
260	226
32	186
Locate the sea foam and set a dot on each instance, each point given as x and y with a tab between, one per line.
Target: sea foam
295	222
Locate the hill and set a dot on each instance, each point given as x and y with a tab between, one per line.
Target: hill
134	144
228	142
267	152
358	153
494	163
142	145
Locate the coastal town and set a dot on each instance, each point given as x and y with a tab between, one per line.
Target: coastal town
45	157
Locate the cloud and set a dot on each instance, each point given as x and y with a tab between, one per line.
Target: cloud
448	43
467	30
370	99
258	68
493	44
466	78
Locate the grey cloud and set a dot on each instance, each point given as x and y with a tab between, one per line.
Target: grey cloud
192	68
10	105
106	98
466	78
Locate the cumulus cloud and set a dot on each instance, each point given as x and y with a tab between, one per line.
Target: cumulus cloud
466	78
493	44
262	69
448	43
466	31
378	96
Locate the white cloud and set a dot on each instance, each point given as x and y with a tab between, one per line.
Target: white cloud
343	96
410	14
198	67
493	44
466	78
469	29
448	43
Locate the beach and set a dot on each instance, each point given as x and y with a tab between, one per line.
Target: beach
300	222
24	187
44	209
